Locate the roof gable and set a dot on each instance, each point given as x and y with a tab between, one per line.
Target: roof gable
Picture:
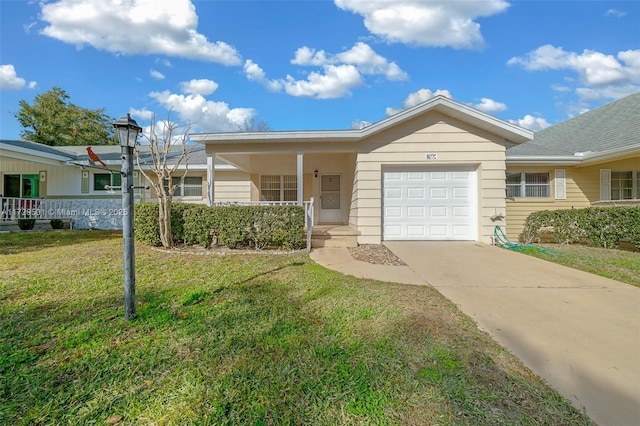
508	131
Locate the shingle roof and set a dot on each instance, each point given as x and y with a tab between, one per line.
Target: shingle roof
612	126
108	153
33	146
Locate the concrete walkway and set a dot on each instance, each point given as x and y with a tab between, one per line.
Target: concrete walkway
578	331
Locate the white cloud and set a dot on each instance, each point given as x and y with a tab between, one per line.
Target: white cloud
142	114
9	79
418	97
611	92
615	12
204	115
156	74
426	23
335	82
340	72
257	74
360	124
532	123
166	27
361	55
202	87
593	68
489	106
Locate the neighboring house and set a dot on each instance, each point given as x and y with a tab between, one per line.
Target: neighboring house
63	182
432	172
590	160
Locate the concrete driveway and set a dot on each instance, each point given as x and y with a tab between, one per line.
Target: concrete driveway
578	331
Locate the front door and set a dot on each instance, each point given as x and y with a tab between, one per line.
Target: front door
330	199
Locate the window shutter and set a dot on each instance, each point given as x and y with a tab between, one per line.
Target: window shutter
84	183
561	184
605	184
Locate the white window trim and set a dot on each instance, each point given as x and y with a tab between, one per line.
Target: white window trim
112	186
182	186
523	185
281	187
606	184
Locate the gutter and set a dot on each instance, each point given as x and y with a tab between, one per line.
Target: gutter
579	158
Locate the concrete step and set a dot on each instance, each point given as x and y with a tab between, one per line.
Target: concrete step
336	236
335	242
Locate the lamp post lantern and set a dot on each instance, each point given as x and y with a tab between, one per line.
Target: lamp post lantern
128	131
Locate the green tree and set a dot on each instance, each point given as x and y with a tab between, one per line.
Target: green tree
54	120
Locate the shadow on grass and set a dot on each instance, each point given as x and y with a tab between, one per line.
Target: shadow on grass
268	340
21	242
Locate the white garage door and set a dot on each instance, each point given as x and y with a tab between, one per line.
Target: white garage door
430	205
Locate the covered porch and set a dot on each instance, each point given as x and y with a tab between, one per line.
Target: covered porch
320	182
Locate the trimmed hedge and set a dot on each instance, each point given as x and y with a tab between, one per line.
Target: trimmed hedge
598	226
259	227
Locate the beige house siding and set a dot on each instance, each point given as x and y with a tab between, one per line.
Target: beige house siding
455	143
231	186
582	188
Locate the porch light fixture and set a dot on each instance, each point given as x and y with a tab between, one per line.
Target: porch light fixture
315	173
128	131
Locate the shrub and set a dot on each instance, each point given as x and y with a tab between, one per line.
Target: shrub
598	226
56	223
145	223
26	224
231	226
147	229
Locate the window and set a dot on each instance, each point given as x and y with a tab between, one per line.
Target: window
621	185
191	187
103	180
22	186
278	188
528	185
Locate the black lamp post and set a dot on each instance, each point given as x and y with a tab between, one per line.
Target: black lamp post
128	131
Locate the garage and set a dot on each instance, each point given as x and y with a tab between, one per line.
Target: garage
430	204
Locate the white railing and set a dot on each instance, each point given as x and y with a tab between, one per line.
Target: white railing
307	205
12	208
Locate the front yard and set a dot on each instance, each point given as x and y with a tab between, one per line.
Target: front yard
616	264
241	339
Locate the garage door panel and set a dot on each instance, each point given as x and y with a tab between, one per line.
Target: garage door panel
414	231
430	205
438	211
460	193
416	193
393	212
393	193
437	193
416	212
461	211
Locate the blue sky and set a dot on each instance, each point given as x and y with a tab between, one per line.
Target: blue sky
302	65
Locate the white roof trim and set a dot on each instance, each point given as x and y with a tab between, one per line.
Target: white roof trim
33	152
577	158
450	107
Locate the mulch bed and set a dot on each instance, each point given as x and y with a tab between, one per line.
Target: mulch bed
376	254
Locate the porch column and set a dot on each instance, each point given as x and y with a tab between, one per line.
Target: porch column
300	177
211	161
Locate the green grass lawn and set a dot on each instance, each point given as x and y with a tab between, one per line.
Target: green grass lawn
241	339
611	263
